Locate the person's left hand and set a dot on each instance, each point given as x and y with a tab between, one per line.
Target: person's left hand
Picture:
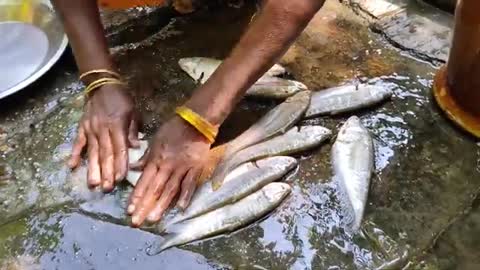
171	165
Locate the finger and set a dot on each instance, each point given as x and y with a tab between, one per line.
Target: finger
189	185
154	191
140	164
94	177
170	191
119	140
141	187
107	159
133	134
78	146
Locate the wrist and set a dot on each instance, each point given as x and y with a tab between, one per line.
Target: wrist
198	122
215	116
213	103
110	92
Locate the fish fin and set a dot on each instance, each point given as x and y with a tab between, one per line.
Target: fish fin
219	176
217	183
200	79
378	140
159	246
162	227
346	207
170	225
215	155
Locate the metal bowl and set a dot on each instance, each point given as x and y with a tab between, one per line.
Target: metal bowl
32	40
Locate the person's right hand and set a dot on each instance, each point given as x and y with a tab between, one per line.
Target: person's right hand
109	126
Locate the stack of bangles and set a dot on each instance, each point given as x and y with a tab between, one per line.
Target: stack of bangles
112	78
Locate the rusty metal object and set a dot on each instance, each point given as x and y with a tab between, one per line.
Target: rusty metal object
183	6
457	86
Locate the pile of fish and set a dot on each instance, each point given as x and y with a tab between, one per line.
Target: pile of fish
243	187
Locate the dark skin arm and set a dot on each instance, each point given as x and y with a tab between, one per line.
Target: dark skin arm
108	125
174	161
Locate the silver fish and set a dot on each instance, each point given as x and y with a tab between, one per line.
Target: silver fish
293	141
276	121
202	68
257	175
273	87
352	159
268	86
345	99
134	154
227	218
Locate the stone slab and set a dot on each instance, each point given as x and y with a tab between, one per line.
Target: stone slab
379	8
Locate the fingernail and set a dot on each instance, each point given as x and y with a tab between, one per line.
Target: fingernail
106	187
118	177
152	218
131	209
181	206
135	220
70	164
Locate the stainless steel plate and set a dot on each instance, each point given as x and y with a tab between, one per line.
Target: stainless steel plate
31	42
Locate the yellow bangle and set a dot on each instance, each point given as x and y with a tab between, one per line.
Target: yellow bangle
100	71
101	82
199	123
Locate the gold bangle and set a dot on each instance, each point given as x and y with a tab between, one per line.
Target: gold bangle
100	71
101	82
198	122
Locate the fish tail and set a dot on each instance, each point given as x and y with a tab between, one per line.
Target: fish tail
157	247
217	183
215	155
219	176
168	224
346	207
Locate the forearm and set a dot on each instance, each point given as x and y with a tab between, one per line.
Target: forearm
84	29
279	23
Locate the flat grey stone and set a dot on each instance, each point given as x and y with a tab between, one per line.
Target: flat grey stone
424	31
379	8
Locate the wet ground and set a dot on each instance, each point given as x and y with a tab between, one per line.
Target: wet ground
422	209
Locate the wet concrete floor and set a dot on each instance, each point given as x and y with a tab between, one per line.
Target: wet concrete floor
421	212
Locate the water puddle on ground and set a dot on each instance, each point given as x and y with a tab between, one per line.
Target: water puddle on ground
425	169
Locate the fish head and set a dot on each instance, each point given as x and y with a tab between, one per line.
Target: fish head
302	97
298	85
282	163
191	66
351	130
315	131
199	68
276	191
352	121
276	70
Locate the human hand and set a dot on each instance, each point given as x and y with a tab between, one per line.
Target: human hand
108	127
171	166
